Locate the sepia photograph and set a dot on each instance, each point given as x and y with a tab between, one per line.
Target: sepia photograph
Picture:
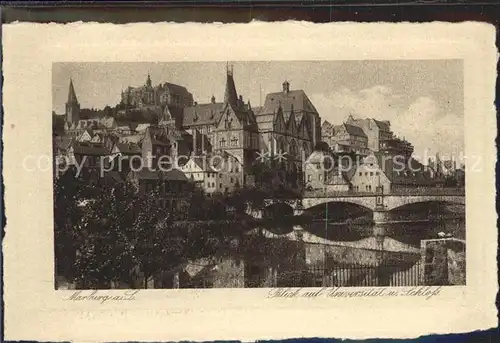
194	182
258	174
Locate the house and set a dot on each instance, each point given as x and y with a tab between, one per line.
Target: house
90	155
375	130
125	156
198	170
85	136
383	173
338	180
317	167
173	185
370	175
156	148
349	139
231	173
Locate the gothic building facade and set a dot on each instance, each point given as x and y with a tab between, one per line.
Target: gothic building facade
285	129
289	129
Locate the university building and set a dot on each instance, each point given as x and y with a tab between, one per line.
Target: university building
229	133
216	145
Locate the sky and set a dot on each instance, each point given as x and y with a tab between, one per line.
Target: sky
423	99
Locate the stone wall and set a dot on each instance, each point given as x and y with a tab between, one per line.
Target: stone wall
443	262
456	267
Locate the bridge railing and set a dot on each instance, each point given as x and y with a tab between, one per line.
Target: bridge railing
437	191
429	191
333	194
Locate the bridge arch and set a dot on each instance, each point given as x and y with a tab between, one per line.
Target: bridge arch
395	202
337	211
278	217
368	202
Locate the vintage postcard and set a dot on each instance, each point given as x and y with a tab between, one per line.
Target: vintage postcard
254	181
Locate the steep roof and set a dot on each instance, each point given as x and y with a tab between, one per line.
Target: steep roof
175	88
326	125
71	94
294	99
354	130
175	175
230	94
137	138
159	136
412	172
383	125
89	149
128	148
201	114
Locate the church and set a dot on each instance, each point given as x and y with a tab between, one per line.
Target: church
285	129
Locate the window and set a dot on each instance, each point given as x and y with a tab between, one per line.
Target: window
320	177
309	178
360	174
236	169
177	99
220	185
366	173
377	173
232	180
371	173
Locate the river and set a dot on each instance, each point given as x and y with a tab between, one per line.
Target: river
411	233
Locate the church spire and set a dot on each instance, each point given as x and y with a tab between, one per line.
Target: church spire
230	96
72	106
71	94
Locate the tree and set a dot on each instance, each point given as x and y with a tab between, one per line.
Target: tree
67	213
105	231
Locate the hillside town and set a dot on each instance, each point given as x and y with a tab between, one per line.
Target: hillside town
164	120
160	135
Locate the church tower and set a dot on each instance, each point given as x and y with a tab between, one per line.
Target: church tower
230	95
72	105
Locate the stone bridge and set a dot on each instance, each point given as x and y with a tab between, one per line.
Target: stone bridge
384	202
380	204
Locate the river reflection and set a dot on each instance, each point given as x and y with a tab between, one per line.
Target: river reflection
410	233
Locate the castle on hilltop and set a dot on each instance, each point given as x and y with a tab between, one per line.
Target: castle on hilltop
287	124
164	120
160	95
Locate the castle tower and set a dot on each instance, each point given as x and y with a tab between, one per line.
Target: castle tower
148	81
72	105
